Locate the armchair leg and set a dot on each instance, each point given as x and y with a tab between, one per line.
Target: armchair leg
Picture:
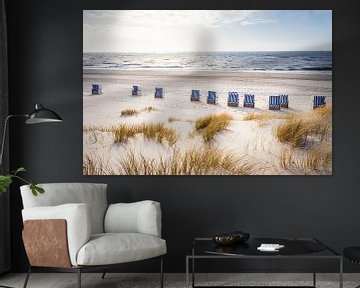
161	273
103	275
79	277
27	277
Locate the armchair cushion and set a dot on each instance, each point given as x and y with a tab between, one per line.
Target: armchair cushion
78	221
92	194
113	248
138	217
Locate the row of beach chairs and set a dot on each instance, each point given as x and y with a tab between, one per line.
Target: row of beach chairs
275	102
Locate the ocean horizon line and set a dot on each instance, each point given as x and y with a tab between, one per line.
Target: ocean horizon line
223	61
184	52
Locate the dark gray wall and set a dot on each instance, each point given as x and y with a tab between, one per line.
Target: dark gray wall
45	50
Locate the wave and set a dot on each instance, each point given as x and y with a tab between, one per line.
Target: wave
329	68
219	61
161	67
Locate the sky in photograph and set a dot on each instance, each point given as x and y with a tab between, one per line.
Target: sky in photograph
161	31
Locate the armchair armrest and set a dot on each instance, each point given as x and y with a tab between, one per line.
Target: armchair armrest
138	217
78	225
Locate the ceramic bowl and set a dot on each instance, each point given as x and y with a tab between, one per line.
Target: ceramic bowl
225	239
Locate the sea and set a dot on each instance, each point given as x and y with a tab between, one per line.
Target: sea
286	61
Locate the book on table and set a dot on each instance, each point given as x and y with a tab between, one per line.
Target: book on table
270	247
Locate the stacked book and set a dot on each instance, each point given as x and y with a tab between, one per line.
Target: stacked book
270	247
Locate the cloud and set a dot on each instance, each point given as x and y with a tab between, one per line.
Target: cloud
203	30
159	30
156	18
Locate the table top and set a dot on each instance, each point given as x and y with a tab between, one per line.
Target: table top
293	247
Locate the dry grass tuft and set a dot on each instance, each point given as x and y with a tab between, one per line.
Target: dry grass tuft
129	112
173	119
90	128
212	124
317	160
305	128
325	111
134	112
149	109
258	116
262	118
123	132
205	161
204	122
159	132
95	165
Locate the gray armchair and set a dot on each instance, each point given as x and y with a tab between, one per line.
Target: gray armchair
72	228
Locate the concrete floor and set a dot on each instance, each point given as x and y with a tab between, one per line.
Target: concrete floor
117	280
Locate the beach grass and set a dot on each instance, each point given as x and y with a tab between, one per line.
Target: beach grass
212	124
94	137
258	116
90	128
149	109
123	132
159	132
204	161
173	119
262	118
129	112
302	129
316	160
134	112
95	165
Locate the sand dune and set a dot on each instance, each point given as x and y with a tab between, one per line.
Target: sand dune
251	139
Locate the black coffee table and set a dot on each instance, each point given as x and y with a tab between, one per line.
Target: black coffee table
295	248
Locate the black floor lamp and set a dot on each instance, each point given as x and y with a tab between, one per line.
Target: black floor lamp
39	115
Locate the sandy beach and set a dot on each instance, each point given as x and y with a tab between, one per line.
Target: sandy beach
254	140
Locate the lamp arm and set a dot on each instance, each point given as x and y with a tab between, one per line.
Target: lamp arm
4	134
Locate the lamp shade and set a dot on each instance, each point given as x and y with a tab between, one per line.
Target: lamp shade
42	115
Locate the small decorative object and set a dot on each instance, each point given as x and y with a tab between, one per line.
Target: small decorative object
225	239
231	238
270	247
242	236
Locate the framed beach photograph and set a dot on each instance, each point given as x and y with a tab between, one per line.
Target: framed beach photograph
207	92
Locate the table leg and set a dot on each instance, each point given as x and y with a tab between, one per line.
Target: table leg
193	267
187	272
193	272
341	273
314	271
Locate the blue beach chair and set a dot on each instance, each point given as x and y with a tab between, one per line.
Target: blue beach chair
195	95
249	100
96	89
233	99
284	101
319	101
136	91
159	92
212	97
274	102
